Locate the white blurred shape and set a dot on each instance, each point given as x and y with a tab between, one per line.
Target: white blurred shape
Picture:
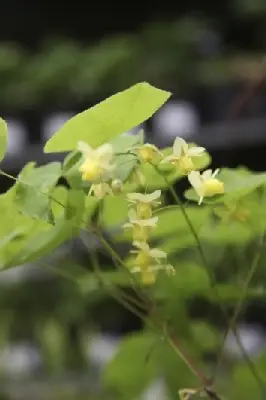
176	119
53	123
102	349
156	391
17	136
251	337
20	359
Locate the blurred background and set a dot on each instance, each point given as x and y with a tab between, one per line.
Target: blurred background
59	58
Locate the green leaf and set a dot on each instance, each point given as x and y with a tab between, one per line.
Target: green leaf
45	242
15	229
125	162
108	119
190	280
3	138
172	222
114	211
34	187
128	373
75	206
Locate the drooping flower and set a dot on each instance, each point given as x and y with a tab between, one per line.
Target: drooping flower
148	261
144	203
182	156
148	152
96	162
141	227
206	184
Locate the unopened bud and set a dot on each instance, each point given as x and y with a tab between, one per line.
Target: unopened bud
117	186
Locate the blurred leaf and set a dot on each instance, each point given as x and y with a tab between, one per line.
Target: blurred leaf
58	204
114	211
75	206
223	234
34	187
52	337
127	374
45	242
231	292
3	138
173	222
126	162
189	280
205	335
115	115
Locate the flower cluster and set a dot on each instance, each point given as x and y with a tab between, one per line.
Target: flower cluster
205	184
97	168
141	220
183	158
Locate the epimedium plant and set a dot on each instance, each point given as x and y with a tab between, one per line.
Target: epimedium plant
117	183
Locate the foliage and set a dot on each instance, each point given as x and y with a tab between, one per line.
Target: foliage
169	54
215	251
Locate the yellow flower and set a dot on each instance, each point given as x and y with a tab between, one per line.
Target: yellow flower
182	156
206	184
148	152
187	394
144	203
100	190
141	227
96	164
148	261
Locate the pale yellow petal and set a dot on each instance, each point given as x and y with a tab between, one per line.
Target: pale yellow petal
180	147
195	151
207	174
105	152
85	149
194	179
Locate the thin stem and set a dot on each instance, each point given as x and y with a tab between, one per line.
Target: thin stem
118	259
94	258
117	294
232	322
121	296
174	343
208	269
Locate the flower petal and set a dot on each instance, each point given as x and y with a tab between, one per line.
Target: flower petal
216	172
105	152
195	151
148	222
132	215
194	179
157	253
180	146
142	246
169	159
85	149
207	174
